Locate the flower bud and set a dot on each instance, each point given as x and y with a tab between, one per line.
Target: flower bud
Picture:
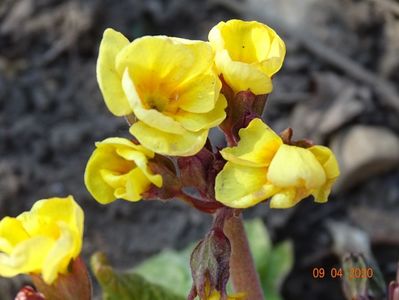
210	266
118	168
248	54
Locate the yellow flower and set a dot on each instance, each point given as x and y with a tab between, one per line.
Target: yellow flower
43	240
169	84
215	294
119	168
248	54
261	166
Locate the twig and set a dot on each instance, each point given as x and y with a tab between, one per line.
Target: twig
382	87
387	5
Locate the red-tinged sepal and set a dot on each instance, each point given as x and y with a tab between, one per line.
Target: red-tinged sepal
194	169
29	293
287	134
199	172
171	185
241	109
73	285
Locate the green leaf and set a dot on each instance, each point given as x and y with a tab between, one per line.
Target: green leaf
272	263
259	242
127	285
280	264
174	267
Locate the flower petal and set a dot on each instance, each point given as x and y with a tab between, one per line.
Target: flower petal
142	163
158	57
200	94
157	120
295	167
60	255
257	146
118	142
28	256
104	159
286	198
164	143
136	184
327	159
245	41
330	165
242	186
108	78
151	117
11	233
64	210
204	55
197	121
242	76
275	58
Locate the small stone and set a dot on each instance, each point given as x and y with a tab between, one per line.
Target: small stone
348	239
364	151
336	103
345	108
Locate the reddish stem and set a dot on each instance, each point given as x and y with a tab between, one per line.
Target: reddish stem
242	267
201	204
73	285
230	138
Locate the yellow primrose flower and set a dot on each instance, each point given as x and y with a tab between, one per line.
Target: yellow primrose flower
169	84
261	166
119	168
43	240
248	54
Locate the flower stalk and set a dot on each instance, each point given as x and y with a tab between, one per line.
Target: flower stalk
202	205
242	268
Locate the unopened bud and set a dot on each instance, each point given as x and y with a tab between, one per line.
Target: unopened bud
29	293
210	265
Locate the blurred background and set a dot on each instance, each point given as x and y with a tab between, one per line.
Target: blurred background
338	87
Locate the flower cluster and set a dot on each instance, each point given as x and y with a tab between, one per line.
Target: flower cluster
173	91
